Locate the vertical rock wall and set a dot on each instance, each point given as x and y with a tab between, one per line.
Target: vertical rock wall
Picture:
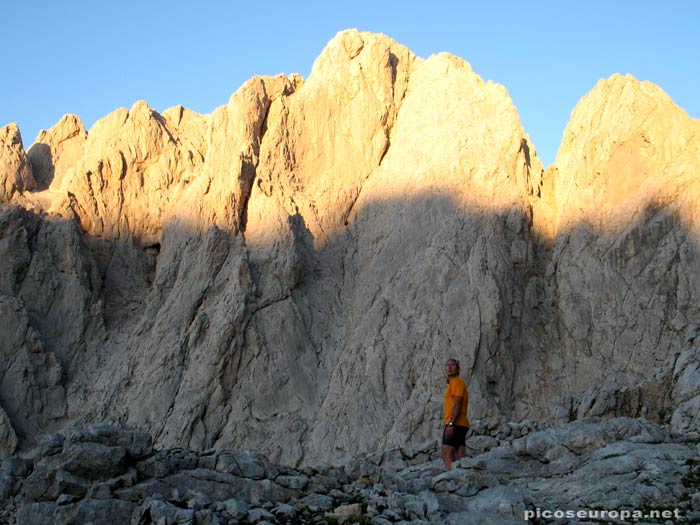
289	273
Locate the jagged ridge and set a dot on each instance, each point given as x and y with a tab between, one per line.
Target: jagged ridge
289	272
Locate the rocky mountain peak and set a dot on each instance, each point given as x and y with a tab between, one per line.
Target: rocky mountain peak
15	171
627	143
56	151
290	272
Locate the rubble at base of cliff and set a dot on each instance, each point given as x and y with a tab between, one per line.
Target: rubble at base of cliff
102	474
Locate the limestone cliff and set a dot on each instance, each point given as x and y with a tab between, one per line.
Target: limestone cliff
288	273
15	168
623	272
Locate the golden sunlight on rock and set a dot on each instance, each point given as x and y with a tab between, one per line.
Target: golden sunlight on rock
627	147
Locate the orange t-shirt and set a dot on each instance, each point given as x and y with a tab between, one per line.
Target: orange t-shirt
457	388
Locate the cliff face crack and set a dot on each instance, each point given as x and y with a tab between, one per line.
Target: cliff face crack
250	163
388	122
247	179
179	371
348	212
249	166
270	302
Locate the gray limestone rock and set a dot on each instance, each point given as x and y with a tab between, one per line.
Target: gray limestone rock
17	466
33	513
8	438
612	468
107	512
236	508
316	502
258	515
245	465
586	435
288	274
507	500
93	460
136	444
155	511
479	444
686	392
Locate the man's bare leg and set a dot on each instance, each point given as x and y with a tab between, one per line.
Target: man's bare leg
459	453
448	456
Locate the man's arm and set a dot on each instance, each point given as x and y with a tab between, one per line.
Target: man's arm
453	417
455	408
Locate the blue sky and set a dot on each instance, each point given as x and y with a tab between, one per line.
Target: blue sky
90	58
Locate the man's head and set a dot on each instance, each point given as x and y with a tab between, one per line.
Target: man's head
452	367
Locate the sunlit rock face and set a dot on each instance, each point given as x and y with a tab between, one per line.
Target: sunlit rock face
15	171
622	275
289	273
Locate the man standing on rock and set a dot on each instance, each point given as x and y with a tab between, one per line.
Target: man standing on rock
456	422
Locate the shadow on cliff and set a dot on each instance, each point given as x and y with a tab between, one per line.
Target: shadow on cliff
355	334
43	169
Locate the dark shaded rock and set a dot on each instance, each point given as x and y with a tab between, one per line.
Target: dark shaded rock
94	461
97	511
17	466
36	513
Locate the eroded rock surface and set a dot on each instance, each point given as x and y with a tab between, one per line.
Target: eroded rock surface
289	273
15	170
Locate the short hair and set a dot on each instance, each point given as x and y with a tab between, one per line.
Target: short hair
455	360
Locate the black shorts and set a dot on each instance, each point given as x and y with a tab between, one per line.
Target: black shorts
459	437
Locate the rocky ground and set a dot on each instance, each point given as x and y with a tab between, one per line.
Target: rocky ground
105	475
